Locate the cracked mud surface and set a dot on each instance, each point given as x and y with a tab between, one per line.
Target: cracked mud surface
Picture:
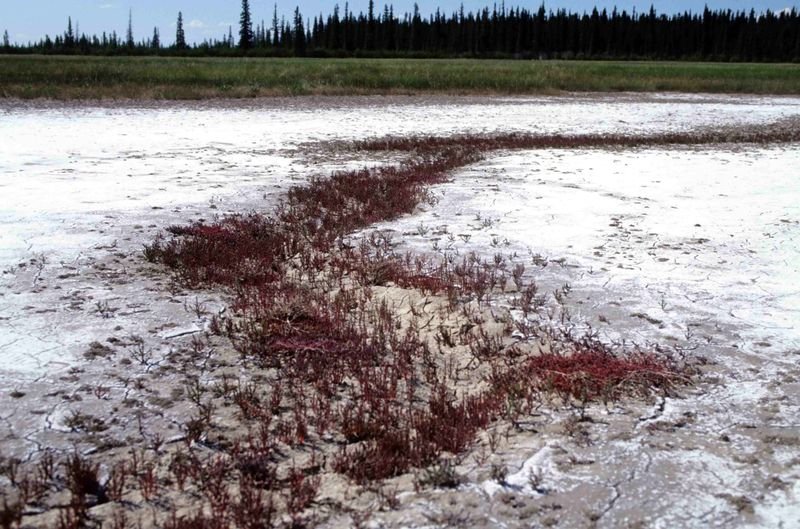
96	345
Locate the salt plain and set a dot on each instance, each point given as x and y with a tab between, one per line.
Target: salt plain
698	248
65	169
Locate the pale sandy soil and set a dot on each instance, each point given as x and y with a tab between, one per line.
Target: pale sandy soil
695	249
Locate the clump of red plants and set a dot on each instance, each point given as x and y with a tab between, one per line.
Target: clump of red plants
342	375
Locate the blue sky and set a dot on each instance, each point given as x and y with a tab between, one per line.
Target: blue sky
30	19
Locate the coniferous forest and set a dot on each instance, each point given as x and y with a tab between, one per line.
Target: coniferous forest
497	32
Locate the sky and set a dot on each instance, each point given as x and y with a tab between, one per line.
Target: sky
27	20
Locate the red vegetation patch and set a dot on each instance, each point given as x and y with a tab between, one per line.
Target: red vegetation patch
236	250
779	132
594	373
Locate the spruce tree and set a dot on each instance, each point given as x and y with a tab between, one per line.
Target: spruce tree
369	37
245	27
129	34
156	42
6	40
299	34
69	37
275	28
180	36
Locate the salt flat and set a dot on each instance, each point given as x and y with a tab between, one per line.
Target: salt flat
85	159
70	174
693	249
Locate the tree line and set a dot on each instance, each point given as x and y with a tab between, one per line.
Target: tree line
499	32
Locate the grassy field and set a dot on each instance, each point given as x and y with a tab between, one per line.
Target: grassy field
190	78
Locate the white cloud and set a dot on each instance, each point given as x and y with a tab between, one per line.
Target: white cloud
196	24
107	6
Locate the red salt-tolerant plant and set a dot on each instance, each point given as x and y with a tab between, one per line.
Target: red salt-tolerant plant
82	481
354	424
302	490
135	461
586	371
300	416
214	485
322	410
428	284
255	459
181	465
28	490
115	486
508	141
11	514
235	250
249	402
119	519
486	347
45	468
148	480
196	521
72	517
592	373
391	454
32	487
255	508
450	425
253	249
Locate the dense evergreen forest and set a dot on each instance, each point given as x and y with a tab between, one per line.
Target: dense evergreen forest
496	32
